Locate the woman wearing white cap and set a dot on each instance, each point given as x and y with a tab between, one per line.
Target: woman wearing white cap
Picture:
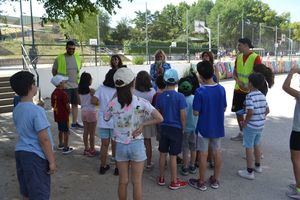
129	113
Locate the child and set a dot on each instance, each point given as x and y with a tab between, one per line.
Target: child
209	105
35	159
61	110
189	137
269	77
88	114
295	135
129	112
256	110
172	106
103	95
144	89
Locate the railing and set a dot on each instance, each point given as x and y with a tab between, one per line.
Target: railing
29	64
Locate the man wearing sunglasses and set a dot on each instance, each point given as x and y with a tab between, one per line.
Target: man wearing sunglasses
68	64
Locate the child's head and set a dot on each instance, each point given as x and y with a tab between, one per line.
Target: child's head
171	77
256	80
143	82
59	81
124	83
115	62
185	87
160	82
109	78
207	56
84	83
205	70
23	83
266	72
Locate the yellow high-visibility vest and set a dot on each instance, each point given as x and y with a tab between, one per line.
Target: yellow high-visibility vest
62	65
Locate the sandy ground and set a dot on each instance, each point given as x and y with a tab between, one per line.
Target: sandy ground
77	176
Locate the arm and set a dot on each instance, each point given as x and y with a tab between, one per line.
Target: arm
47	148
267	111
217	73
54	68
183	118
287	83
94	99
247	118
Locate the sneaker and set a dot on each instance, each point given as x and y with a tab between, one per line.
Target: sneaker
245	174
91	153
292	186
67	150
116	172
239	137
60	147
104	169
294	194
150	166
161	181
196	183
192	169
76	125
258	169
86	152
179	184
214	183
184	171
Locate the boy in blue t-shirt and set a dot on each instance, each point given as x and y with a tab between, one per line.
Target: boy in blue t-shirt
34	155
171	105
209	105
189	138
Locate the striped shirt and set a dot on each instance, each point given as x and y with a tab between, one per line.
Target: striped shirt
256	101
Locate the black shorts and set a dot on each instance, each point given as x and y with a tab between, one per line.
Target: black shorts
73	95
295	141
63	126
32	175
170	140
238	101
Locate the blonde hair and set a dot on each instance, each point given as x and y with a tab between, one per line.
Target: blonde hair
159	51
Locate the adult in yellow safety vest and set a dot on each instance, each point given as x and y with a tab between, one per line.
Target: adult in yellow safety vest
69	64
244	63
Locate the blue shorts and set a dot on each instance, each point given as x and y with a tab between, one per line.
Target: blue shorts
32	175
63	126
105	133
134	151
251	137
170	140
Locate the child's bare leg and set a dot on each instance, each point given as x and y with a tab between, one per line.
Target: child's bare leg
257	153
173	165
202	165
136	178
148	145
66	139
249	158
123	179
103	151
295	157
113	148
85	135
92	130
218	163
162	161
60	139
193	158
185	157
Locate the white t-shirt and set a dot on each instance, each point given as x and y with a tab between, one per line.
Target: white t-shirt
104	94
128	118
146	95
85	100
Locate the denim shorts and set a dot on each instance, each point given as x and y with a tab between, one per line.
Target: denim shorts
105	133
203	143
251	137
32	175
134	151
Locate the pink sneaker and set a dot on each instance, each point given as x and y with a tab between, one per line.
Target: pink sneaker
179	184
161	181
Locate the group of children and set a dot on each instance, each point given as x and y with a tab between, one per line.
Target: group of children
130	114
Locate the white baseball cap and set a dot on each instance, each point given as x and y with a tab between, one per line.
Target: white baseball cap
57	79
124	75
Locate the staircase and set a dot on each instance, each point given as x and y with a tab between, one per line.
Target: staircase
6	95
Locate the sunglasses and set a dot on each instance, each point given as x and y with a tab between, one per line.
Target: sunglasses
71	48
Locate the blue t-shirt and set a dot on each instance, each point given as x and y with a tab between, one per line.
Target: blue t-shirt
29	120
210	102
191	120
169	103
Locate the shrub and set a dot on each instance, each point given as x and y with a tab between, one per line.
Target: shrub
138	60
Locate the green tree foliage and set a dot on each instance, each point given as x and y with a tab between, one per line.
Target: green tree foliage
122	32
296	31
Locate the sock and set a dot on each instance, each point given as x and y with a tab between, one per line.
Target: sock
257	164
250	170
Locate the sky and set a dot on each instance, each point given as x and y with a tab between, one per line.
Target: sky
128	9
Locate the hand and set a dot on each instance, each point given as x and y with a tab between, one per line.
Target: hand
243	124
52	168
138	131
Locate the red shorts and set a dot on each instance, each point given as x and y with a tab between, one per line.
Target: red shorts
88	116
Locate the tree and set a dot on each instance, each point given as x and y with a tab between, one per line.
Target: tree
75	9
122	32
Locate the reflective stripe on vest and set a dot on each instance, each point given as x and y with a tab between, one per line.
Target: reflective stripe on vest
244	69
62	65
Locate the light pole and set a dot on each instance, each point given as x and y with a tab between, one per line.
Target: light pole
146	19
98	34
218	53
187	36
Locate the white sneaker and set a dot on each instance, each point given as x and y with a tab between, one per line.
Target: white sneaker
258	169
293	194
239	137
245	174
